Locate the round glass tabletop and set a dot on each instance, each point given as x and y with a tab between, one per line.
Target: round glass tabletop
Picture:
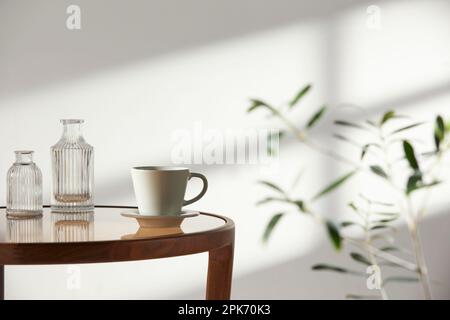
104	224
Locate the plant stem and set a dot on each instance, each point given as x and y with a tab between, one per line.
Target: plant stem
302	138
418	253
412	223
330	153
372	258
435	167
386	256
386	154
298	134
390	171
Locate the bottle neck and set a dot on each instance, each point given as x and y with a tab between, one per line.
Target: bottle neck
72	132
24	157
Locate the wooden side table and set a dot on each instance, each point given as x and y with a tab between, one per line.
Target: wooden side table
106	236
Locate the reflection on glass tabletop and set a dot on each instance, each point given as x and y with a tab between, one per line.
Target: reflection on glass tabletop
104	224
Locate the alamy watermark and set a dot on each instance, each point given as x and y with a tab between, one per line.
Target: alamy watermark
373	21
374	279
73	21
73	281
208	146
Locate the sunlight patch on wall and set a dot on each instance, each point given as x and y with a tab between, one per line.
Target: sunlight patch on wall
409	53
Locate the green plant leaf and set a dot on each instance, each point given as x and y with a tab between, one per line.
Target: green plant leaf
383	236
328	267
258	104
410	155
379	171
407	127
300	205
299	95
386	220
377	202
372	123
271	225
413	182
273	186
353	207
400	279
333	234
414	185
334	185
345	139
366	148
360	258
429	153
384	204
431	184
393	248
394	265
387	116
439	132
349	124
347	224
255	104
316	117
387	214
389	248
270	199
378	227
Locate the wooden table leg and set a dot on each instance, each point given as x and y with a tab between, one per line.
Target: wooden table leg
2	282
220	270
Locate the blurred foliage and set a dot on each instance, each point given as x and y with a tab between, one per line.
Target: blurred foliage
372	219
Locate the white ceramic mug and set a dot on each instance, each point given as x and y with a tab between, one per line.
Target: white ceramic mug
161	190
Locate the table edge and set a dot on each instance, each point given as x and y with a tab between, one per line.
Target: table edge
118	250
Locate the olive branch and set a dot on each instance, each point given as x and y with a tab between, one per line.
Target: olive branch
372	219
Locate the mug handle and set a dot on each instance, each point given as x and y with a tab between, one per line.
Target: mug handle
202	193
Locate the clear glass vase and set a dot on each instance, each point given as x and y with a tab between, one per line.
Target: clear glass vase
73	170
24	186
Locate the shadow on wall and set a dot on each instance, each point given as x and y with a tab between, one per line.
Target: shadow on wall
295	280
38	49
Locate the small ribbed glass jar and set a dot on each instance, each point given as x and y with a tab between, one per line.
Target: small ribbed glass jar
73	170
24	186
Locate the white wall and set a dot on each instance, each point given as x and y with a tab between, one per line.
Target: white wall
138	70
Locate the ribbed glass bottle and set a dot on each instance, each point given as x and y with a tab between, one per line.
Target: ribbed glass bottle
24	186
73	170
